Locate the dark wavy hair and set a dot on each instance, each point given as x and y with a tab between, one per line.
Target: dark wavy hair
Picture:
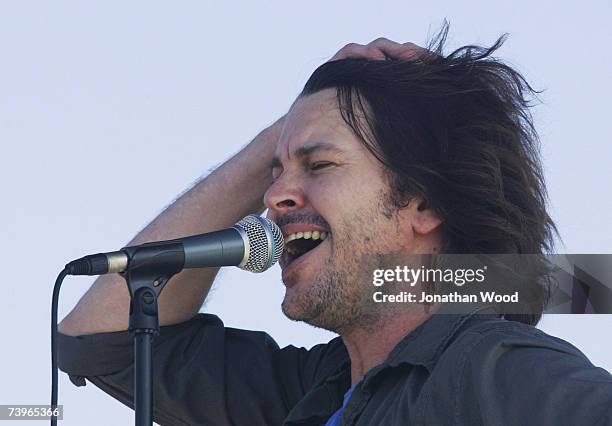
456	131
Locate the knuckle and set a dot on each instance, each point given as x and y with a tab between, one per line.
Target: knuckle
380	40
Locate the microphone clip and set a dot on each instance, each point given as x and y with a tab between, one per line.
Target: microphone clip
150	267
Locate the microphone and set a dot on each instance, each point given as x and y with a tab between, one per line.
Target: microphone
253	244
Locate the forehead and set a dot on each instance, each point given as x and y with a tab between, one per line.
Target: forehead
315	119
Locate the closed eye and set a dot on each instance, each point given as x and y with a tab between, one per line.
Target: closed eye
320	165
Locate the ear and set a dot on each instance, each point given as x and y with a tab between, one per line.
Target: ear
424	219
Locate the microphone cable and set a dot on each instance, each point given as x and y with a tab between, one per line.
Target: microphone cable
54	368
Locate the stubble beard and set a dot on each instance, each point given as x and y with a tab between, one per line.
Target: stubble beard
339	298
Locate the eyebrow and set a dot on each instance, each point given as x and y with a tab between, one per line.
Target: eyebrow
306	151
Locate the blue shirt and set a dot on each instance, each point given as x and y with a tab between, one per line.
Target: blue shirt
334	420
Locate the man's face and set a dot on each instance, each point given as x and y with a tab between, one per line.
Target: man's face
327	182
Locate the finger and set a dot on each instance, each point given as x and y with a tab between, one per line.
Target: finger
347	50
354	50
418	50
394	50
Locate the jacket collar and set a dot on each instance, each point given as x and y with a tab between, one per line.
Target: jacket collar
423	346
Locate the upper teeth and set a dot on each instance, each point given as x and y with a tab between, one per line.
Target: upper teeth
315	235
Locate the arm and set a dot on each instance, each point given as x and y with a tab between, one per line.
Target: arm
235	189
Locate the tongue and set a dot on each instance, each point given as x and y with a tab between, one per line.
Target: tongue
302	246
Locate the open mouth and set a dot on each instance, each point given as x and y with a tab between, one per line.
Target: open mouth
300	243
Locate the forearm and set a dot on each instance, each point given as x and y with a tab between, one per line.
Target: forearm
218	201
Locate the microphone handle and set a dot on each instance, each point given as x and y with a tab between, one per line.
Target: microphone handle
228	247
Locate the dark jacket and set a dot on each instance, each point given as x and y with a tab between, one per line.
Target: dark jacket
452	370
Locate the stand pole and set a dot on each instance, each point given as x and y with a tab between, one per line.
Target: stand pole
143	391
145	282
145	324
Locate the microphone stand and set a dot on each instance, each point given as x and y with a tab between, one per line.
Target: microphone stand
150	268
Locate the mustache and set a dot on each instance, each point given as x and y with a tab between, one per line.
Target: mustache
310	218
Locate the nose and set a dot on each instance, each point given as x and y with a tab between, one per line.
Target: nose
284	196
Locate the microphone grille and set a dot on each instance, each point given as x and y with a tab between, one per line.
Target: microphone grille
265	243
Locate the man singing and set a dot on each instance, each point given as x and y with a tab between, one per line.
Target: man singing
390	150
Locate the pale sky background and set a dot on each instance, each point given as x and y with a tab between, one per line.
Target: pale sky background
109	109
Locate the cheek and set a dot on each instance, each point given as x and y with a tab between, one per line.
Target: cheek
340	193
